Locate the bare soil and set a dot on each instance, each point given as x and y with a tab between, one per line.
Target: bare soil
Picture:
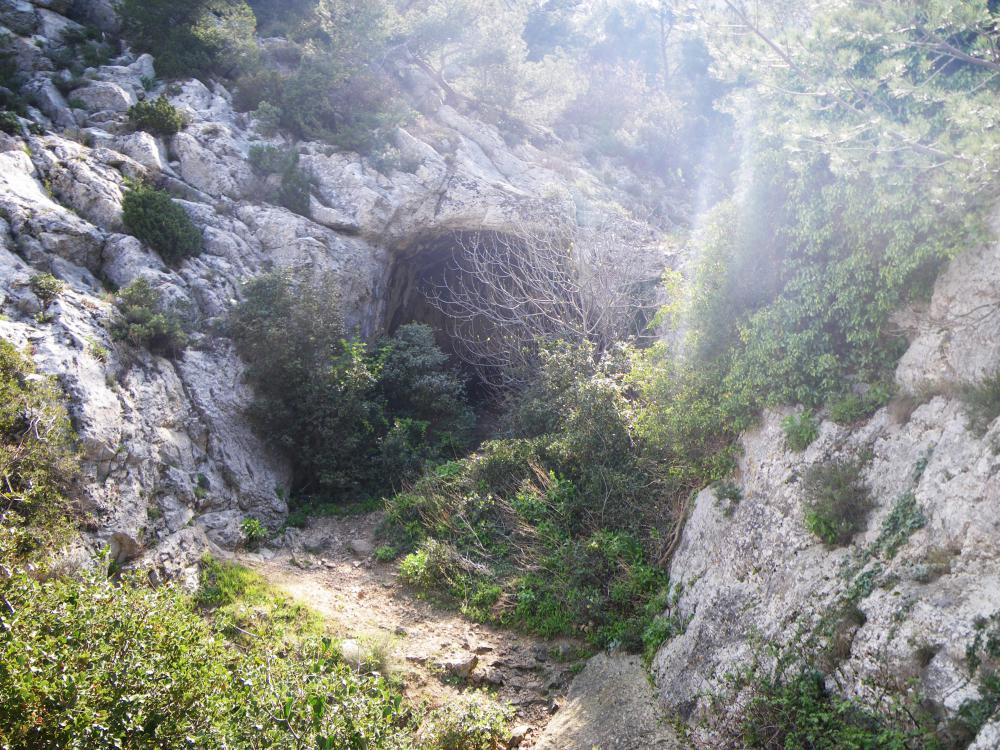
329	567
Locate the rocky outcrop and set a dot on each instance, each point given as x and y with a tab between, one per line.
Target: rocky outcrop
611	706
170	462
897	608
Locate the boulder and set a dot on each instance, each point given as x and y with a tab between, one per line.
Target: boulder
458	665
360	548
610	704
104	96
99	13
19	16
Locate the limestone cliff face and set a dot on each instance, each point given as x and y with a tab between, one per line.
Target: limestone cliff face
170	463
900	604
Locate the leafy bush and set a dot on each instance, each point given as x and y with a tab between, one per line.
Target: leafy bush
295	184
156	219
159	117
728	495
853	408
192	37
253	532
355	420
268	159
800	430
10	123
982	403
836	501
799	712
38	459
144	321
268	118
553	529
46	287
87	662
472	721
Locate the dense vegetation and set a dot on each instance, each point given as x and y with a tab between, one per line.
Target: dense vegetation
88	661
159	221
37	459
554	527
865	134
355	420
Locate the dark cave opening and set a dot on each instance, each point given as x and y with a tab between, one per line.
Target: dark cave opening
418	271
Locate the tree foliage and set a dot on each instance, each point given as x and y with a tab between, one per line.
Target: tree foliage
354	419
38	460
192	37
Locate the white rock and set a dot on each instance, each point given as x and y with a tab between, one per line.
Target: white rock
958	339
53	26
143	147
104	96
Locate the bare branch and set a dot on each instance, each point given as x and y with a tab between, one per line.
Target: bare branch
504	294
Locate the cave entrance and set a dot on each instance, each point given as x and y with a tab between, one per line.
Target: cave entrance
418	271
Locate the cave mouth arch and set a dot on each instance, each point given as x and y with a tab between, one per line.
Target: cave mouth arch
418	269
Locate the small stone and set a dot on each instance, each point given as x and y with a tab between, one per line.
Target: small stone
401	631
352	653
483	648
416	658
518	735
360	547
460	665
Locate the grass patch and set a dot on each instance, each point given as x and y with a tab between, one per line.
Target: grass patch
836	501
800	430
982	403
243	604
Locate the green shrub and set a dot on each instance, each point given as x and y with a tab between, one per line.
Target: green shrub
853	408
46	287
92	663
156	219
144	321
267	159
10	123
386	553
159	117
192	37
982	403
253	532
472	721
728	495
800	430
295	184
295	191
355	420
268	118
431	566
836	501
38	457
799	712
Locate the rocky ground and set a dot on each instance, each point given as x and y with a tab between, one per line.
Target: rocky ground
329	566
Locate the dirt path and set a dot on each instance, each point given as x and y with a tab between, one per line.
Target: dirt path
436	652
